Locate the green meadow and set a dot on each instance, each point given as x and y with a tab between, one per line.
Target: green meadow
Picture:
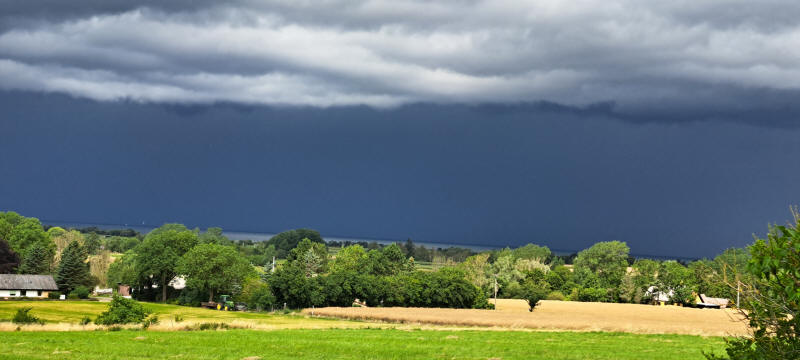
350	344
296	336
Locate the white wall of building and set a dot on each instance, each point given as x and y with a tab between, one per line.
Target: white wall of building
22	293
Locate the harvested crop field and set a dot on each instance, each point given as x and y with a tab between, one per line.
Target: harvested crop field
562	315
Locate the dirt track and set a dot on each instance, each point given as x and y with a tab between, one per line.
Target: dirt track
563	315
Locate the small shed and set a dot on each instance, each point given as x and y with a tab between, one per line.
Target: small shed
32	286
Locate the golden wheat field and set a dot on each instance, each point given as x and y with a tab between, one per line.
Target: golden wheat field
561	315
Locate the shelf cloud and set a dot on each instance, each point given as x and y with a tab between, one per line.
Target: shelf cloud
640	56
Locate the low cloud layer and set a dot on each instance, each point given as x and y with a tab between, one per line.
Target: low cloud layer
734	55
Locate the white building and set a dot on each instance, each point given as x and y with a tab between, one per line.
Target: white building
32	286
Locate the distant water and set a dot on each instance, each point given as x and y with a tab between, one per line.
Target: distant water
241	235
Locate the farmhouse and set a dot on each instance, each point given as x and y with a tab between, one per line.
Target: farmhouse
34	286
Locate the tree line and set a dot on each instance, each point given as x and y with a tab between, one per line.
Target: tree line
310	274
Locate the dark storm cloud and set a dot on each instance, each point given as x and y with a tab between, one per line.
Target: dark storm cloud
546	173
709	58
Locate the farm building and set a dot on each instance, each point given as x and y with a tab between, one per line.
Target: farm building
35	286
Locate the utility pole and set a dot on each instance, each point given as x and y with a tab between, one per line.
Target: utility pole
738	289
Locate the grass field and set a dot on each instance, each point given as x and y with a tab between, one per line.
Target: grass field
563	315
350	344
58	314
301	336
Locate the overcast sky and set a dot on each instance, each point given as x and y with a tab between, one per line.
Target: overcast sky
484	122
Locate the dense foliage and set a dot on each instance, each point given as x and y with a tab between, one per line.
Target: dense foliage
73	271
122	311
773	299
23	316
9	260
213	268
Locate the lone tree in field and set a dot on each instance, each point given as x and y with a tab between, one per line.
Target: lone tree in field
9	260
158	255
213	267
773	300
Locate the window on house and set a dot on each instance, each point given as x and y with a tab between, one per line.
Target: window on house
39	293
12	293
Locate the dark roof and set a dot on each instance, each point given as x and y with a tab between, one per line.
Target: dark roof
27	282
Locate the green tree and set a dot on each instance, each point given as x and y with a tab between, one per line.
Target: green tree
533	252
27	232
477	271
213	267
607	260
9	260
122	311
639	281
158	255
773	299
311	256
409	248
5	227
291	286
390	260
674	277
349	258
37	259
73	271
123	270
288	240
92	243
213	235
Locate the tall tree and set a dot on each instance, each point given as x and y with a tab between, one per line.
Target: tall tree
409	247
213	235
288	240
92	243
533	252
73	271
9	260
350	258
37	260
607	260
25	233
213	268
159	253
772	300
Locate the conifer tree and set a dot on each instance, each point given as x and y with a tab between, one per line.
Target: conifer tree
37	259
73	271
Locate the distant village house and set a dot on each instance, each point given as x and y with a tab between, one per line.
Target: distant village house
32	286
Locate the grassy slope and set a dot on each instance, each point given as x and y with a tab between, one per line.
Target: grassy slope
74	311
350	344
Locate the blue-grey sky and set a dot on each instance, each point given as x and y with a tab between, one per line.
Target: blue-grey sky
673	127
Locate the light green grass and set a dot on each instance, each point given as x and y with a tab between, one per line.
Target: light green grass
74	311
351	344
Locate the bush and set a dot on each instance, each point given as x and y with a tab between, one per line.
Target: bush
210	326
23	316
556	295
54	295
593	294
178	318
261	298
152	320
80	292
86	320
533	295
122	311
